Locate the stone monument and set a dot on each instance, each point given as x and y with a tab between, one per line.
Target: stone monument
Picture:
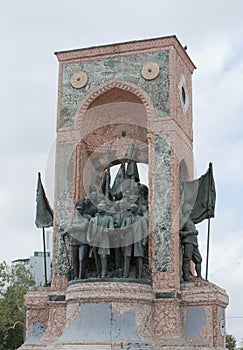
124	104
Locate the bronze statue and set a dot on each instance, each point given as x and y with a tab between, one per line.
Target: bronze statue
135	240
102	219
89	204
78	241
119	216
188	235
100	227
142	201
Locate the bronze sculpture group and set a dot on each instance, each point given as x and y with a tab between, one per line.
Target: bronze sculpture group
116	226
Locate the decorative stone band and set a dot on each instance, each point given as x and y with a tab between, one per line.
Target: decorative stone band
204	293
109	292
43	297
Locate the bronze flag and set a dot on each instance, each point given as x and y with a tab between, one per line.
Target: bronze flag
119	179
201	194
44	212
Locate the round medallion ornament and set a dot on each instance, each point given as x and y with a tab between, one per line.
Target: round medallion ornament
79	79
150	70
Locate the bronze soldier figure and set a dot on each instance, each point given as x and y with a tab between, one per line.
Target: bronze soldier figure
188	235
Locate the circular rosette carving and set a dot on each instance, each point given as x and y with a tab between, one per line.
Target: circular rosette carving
79	79
150	70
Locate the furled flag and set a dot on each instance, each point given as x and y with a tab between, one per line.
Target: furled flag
105	186
119	179
132	169
201	194
44	212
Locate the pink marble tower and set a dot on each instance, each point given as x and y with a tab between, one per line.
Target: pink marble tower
108	97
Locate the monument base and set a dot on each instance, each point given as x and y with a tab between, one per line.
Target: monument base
112	315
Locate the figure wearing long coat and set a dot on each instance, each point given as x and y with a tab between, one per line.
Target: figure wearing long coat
189	241
78	241
100	227
135	238
117	242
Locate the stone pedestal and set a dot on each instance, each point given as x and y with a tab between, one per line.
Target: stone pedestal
126	315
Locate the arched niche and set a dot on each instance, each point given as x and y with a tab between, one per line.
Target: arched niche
111	120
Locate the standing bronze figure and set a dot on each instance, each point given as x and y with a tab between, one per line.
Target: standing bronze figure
100	227
135	240
189	242
78	240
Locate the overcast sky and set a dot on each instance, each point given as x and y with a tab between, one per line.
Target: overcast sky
31	31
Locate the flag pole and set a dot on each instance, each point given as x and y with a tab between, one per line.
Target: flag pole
208	239
206	278
44	247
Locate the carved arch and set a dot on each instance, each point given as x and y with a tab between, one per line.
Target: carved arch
114	83
96	129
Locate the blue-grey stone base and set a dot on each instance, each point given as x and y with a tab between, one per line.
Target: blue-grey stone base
128	316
